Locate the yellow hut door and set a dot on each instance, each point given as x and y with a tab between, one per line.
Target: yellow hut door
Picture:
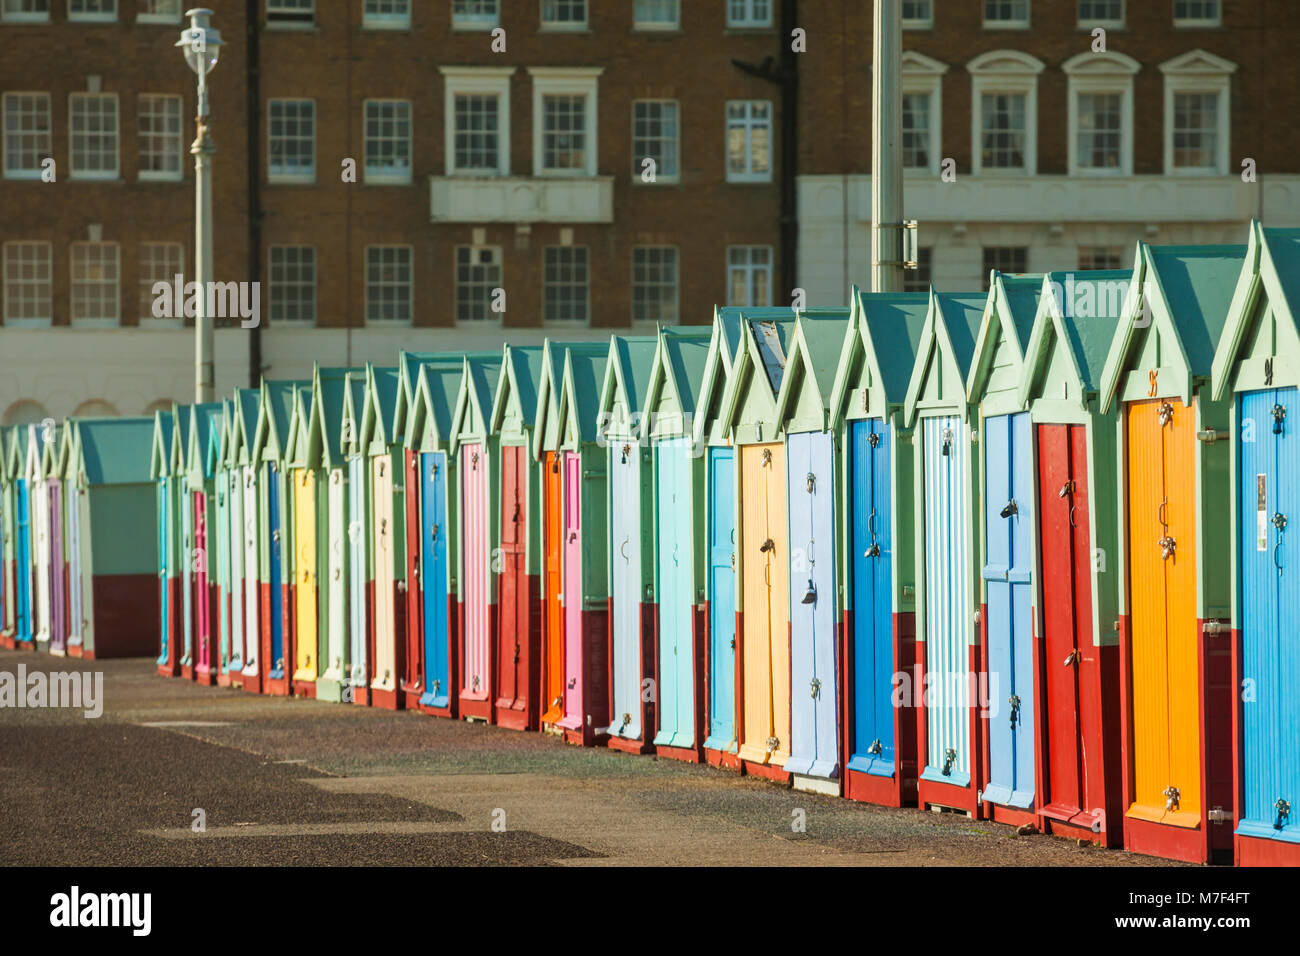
765	634
304	535
1166	740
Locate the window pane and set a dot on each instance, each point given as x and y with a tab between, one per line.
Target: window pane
478	276
95	281
916	130
28	286
655	13
1099	130
388	284
293	139
564	132
1003	140
654	136
477	132
388	140
159	262
654	284
293	283
159	121
26	133
565	284
1196	130
94	135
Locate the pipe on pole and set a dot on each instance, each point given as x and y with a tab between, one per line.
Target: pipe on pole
202	150
887	147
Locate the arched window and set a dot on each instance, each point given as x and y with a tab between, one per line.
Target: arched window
96	408
25	412
161	405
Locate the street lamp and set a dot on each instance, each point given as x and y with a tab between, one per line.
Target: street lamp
201	45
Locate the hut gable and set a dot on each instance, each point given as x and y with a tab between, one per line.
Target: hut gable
817	346
514	406
944	354
1005	329
480	373
624	384
749	405
676	375
879	352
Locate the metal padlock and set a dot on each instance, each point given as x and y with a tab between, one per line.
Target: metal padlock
1167	547
815	687
1014	701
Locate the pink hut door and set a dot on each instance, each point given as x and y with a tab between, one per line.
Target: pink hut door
572	591
202	598
474	573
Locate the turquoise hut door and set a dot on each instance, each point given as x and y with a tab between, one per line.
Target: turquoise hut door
433	571
722	599
23	566
76	617
1269	453
235	536
223	574
625	587
810	464
674	553
1008	526
871	557
164	524
945	446
252	628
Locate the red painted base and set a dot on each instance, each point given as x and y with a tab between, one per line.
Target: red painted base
361	696
584	737
628	745
931	794
684	754
253	684
1159	839
410	698
512	718
76	650
203	676
1068	831
87	655
385	699
1252	851
883	791
449	711
1011	816
471	709
24	645
304	688
223	680
7	641
276	686
766	771
723	759
187	672
164	670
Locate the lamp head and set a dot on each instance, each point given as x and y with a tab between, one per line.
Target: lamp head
200	43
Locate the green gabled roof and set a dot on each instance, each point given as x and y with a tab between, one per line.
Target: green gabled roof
952	326
298	440
626	376
354	411
51	443
1089	337
277	413
679	362
584	369
160	453
891	327
1022	293
550	385
206	420
329	395
1009	312
180	436
521	372
1280	264
811	365
382	387
114	451
437	389
1198	282
33	447
761	358
248	409
962	315
478	386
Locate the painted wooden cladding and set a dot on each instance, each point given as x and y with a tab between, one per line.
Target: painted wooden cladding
334	649
306	665
434	532
765	589
74	504
223	556
945	446
58	607
814	742
384	671
278	530
185	572
872	559
235	535
40	496
1008	529
722	598
1165	675
474	584
166	650
1063	509
573	683
252	603
625	478
553	665
513	692
674	550
1269	483
23	559
359	576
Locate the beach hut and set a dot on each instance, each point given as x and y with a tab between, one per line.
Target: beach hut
53	446
868	400
762	546
1175	552
360	573
567	441
1005	506
300	463
198	489
222	541
39	496
159	471
111	517
546	455
433	675
710	434
1257	368
677	624
1075	527
24	618
813	491
7	596
631	548
474	448
181	514
385	461
519	615
246	526
325	448
946	548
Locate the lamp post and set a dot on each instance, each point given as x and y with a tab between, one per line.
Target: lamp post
201	45
887	261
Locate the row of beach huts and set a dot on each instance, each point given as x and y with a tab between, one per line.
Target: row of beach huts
1019	554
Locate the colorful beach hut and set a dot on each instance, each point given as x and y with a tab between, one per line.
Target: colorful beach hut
384	460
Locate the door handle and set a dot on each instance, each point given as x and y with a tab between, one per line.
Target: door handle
622	550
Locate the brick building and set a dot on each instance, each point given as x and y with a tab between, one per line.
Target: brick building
602	164
1063	157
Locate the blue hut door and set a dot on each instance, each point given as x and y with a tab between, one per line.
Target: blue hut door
275	543
1008	523
358	573
872	560
433	560
625	586
235	536
946	518
23	568
164	535
814	742
1270	613
184	566
722	599
73	496
673	518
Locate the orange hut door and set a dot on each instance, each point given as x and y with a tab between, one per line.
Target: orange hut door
553	668
1164	662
